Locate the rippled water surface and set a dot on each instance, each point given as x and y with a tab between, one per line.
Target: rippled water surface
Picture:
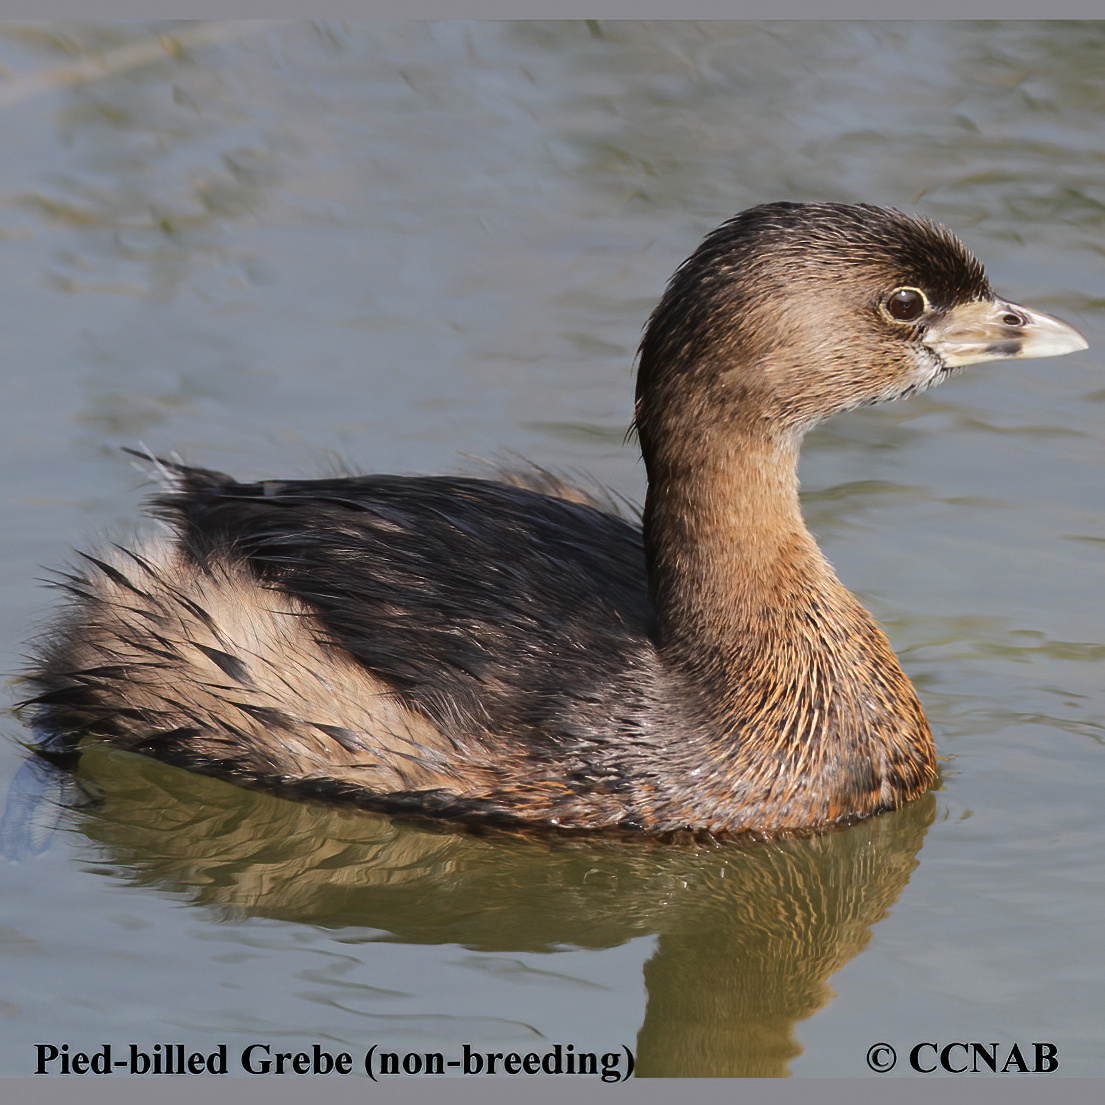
274	248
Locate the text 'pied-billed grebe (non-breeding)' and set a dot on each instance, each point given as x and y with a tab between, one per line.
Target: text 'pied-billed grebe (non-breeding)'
478	650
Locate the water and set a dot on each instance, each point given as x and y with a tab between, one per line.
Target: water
274	248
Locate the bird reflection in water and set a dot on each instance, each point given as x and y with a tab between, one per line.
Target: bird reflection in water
747	933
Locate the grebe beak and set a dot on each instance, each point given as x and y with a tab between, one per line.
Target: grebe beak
994	330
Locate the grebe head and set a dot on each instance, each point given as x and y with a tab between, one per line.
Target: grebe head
790	313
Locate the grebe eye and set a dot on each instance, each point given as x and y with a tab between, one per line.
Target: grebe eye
906	304
1011	318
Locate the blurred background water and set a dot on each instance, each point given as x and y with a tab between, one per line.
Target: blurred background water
273	248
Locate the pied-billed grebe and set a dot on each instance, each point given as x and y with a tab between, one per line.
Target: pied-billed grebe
477	650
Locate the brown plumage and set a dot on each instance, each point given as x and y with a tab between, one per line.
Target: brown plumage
478	650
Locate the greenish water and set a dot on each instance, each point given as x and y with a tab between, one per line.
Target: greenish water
271	246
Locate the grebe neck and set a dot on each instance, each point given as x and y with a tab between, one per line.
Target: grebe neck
748	608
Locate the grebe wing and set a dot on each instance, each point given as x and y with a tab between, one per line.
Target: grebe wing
474	600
